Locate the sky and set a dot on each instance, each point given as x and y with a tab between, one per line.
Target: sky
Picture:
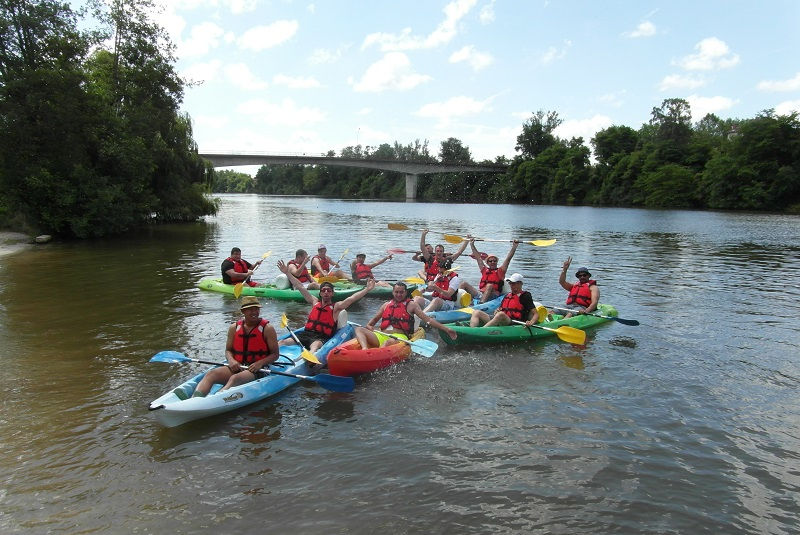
288	76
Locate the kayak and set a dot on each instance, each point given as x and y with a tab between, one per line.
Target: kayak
171	411
517	333
349	359
342	290
451	316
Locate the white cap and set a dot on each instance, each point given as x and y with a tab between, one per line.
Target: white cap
516	277
322	246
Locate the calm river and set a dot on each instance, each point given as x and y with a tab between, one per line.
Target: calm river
688	423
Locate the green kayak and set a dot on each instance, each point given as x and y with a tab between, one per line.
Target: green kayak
518	333
342	290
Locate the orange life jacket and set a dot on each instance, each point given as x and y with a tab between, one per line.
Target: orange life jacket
443	281
396	315
492	276
363	272
250	347
512	306
320	320
323	262
581	293
303	276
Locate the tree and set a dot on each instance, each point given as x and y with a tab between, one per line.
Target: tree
453	151
537	134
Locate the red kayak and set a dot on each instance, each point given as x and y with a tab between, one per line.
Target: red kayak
348	359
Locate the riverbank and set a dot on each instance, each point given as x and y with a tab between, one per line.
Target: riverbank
13	242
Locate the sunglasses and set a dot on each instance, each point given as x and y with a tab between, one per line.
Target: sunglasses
581	274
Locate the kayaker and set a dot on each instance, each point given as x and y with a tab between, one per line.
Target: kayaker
432	261
297	267
323	320
236	270
516	305
397	318
321	265
252	344
443	290
583	293
362	272
491	283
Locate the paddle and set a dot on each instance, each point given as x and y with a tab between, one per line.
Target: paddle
426	348
621	320
331	382
565	332
538	243
305	353
400	251
237	288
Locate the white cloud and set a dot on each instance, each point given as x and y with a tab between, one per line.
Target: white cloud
788	107
792	84
585	128
326	55
615	99
311	8
478	60
295	82
677	81
393	71
444	32
553	53
202	38
487	13
645	29
240	75
238	7
454	107
264	37
285	113
364	111
202	72
712	54
702	106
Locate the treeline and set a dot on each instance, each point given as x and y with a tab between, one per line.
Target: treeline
92	142
750	164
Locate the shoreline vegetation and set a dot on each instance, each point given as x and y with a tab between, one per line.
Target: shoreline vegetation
93	142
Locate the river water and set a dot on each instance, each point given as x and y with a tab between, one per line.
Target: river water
688	423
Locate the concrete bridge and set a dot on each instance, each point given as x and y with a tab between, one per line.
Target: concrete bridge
412	170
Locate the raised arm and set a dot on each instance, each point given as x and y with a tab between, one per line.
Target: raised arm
509	256
425	254
296	284
477	255
381	261
342	305
460	250
562	279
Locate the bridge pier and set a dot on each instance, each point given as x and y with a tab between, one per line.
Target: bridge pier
411	186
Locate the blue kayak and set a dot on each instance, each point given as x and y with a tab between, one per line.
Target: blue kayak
452	316
171	411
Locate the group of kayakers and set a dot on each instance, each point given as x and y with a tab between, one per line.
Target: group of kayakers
252	342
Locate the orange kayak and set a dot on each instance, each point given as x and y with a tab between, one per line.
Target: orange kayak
349	359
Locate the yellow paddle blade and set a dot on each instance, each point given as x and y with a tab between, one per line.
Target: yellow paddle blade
452	269
343	255
309	356
398	226
571	335
284	321
466	299
237	290
542	311
466	310
541	243
414	280
416	293
265	255
328	278
450	238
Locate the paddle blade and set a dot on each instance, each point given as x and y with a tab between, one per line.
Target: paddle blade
571	335
397	251
542	311
466	310
622	320
284	321
170	356
466	299
309	356
237	290
449	238
426	348
416	293
542	243
398	226
414	280
265	255
335	383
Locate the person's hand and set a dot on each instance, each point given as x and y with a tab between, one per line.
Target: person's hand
249	272
389	257
567	262
282	266
370	327
234	367
370	284
254	367
515	241
451	333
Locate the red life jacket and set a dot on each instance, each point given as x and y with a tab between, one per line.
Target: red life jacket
492	276
250	347
239	266
363	272
323	262
320	320
303	276
443	281
431	269
396	315
512	306
581	293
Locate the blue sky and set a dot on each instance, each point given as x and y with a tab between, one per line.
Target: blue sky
310	76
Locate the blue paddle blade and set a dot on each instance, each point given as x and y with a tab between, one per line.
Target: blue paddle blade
170	356
335	383
426	348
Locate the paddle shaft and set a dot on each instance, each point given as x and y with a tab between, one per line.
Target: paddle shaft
565	333
615	318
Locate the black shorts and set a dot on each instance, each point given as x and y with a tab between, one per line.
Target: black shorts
308	337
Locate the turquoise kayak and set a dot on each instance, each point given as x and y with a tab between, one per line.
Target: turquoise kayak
171	411
342	290
451	316
517	333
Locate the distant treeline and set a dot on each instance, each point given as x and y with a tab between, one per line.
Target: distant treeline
92	142
749	164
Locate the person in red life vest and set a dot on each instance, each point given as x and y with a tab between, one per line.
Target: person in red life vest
321	265
431	269
252	344
517	305
396	317
491	284
236	270
325	316
443	290
362	272
583	293
297	268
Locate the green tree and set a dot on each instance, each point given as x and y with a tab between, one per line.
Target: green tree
537	134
